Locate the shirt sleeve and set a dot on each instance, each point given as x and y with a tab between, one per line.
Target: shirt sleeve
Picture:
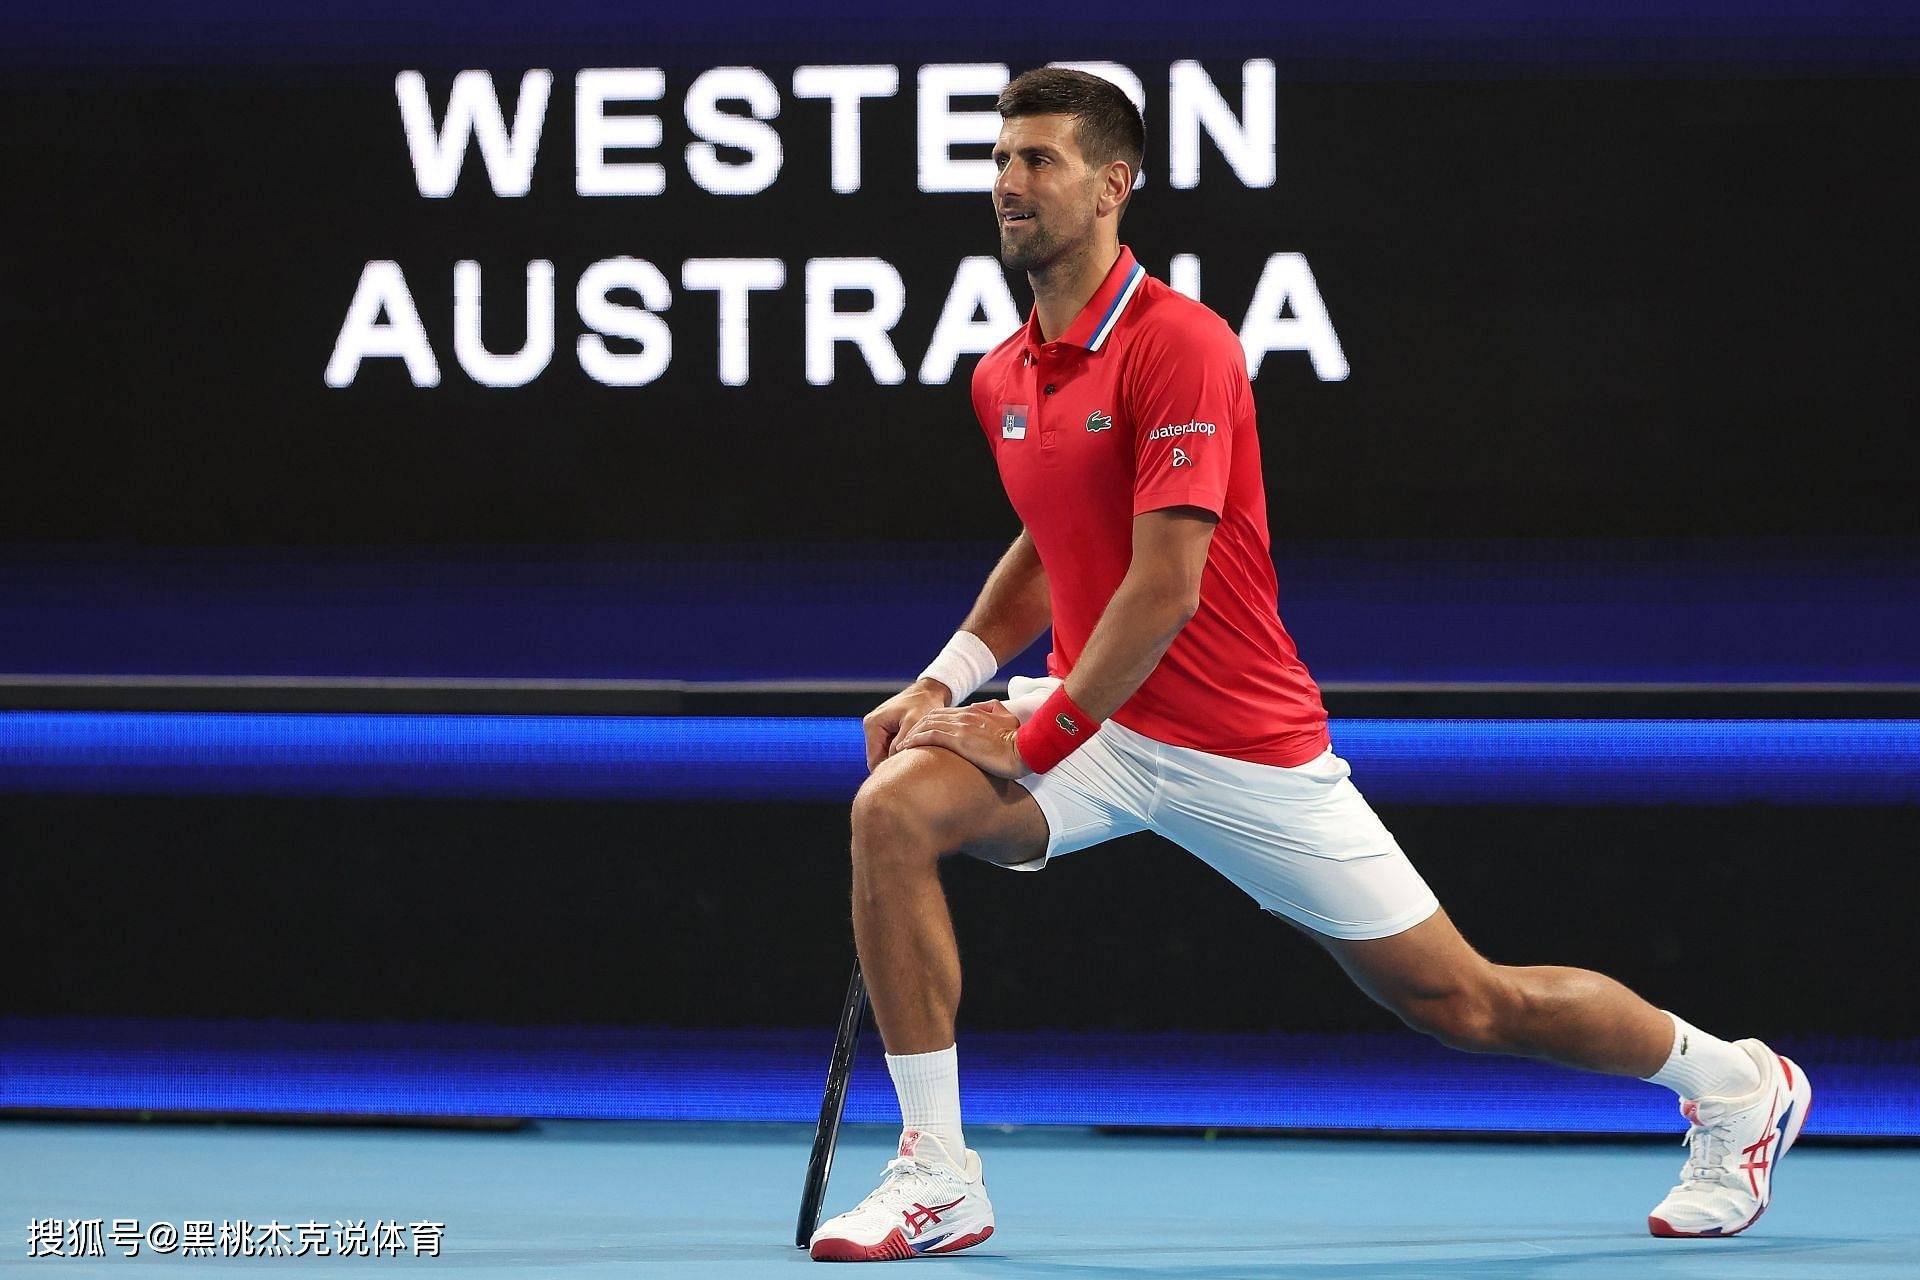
1184	396
977	387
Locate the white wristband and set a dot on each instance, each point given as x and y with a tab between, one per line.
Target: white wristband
963	666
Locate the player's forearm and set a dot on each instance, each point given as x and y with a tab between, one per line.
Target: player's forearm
1133	634
1013	608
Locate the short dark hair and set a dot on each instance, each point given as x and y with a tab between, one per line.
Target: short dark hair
1106	123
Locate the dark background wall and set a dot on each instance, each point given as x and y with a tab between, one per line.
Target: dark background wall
1610	306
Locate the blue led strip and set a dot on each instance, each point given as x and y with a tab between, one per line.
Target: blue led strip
1862	762
1386	1081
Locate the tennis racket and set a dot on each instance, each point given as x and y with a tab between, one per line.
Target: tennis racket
839	1072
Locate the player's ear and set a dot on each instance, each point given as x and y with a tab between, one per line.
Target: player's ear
1116	184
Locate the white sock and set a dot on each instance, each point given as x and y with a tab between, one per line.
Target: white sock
1703	1066
929	1088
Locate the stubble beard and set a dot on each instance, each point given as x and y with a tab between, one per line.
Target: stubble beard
1033	254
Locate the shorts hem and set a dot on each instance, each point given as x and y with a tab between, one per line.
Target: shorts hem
1358	931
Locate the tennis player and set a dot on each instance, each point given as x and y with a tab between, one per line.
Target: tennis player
1122	422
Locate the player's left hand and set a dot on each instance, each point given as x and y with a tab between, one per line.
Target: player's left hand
981	732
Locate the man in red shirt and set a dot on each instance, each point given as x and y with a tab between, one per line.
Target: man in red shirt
1121	420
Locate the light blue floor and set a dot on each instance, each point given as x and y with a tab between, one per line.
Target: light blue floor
629	1199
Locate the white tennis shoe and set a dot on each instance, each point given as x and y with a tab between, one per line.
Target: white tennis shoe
923	1206
1733	1149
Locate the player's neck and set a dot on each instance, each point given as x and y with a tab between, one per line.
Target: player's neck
1063	289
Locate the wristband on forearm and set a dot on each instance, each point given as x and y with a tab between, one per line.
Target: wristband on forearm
1056	730
963	666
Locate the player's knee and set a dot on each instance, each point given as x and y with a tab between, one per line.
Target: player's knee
898	815
1470	1016
1459	1022
886	825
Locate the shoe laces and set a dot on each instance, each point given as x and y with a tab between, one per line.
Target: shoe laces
901	1182
1709	1151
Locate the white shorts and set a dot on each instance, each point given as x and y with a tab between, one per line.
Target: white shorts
1301	841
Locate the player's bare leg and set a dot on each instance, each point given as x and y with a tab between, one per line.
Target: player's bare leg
915	808
1745	1103
1438	984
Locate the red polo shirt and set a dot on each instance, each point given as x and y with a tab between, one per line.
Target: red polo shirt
1144	403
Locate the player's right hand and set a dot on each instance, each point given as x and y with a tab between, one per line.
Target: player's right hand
893	719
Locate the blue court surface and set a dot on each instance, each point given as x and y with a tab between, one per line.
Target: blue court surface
624	1198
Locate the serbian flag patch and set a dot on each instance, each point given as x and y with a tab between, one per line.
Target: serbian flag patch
1013	422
